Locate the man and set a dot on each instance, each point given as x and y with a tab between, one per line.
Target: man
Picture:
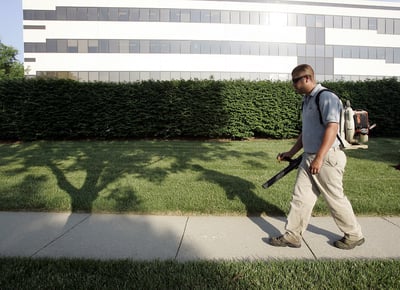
322	167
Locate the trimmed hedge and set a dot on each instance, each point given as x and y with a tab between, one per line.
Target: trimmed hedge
65	109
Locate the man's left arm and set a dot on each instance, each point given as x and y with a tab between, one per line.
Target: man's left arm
331	130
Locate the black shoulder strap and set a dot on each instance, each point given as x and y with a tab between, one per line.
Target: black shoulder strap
317	102
320	114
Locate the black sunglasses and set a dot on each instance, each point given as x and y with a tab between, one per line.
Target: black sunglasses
297	79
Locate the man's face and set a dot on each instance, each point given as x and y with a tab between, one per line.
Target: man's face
300	83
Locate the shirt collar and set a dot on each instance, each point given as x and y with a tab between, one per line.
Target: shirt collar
316	89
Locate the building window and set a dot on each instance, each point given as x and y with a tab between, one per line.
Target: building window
123	14
92	14
355	22
82	14
93	46
372	24
51	45
72	46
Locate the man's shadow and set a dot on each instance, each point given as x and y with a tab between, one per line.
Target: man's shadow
236	187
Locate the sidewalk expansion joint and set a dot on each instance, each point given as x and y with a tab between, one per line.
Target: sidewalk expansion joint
309	248
183	235
389	221
60	236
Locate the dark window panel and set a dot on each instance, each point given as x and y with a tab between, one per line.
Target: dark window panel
274	49
225	17
164	15
50	15
72	45
380	53
92	14
381	25
144	46
364	23
235	17
397	26
62	45
355	22
372	24
301	20
175	15
93	46
124	46
301	50
155	46
320	51
329	21
185	15
337	21
103	46
61	13
310	20
346	22
71	13
244	17
320	35
355	52
205	16
134	46
205	47
215	16
329	66
51	45
175	46
144	14
310	50
389	26
396	55
82	14
113	45
29	47
113	14
195	47
123	14
28	14
103	14
389	54
234	47
364	52
310	35
320	65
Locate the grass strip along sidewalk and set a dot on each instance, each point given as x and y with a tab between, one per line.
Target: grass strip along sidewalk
181	177
84	274
186	177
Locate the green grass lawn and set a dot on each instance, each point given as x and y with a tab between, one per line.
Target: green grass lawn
181	177
85	274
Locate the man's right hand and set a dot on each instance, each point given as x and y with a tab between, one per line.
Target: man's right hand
285	156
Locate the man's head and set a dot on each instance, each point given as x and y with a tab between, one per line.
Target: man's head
303	79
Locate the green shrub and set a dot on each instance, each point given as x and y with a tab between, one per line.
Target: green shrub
65	109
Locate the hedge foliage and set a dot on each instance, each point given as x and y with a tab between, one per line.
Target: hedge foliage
65	109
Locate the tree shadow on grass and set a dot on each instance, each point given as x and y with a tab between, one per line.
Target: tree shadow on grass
90	171
237	187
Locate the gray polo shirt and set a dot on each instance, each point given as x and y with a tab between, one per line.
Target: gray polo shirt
312	130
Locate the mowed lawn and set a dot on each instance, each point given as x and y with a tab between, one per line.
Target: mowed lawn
181	177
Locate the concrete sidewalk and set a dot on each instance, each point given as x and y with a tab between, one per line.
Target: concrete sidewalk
147	237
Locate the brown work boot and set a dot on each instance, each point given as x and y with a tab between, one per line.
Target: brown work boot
283	241
346	244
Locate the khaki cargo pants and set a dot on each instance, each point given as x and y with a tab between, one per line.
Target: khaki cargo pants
327	183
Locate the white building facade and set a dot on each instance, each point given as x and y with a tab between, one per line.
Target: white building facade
131	40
